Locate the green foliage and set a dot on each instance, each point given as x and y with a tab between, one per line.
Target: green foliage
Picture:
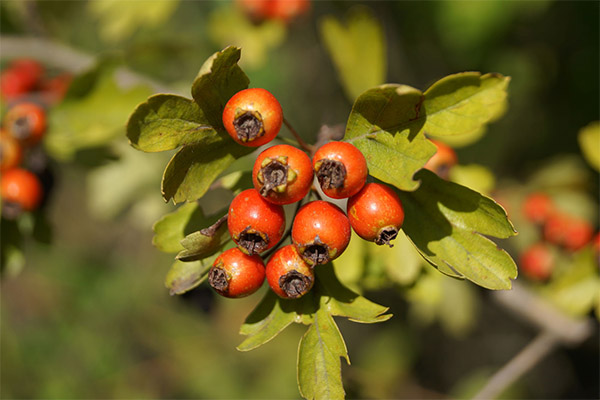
589	141
447	222
185	276
357	50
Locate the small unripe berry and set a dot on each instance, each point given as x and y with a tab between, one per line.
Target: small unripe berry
443	160
235	274
26	122
288	275
21	188
282	174
255	225
341	169
376	213
320	232
537	262
538	207
253	117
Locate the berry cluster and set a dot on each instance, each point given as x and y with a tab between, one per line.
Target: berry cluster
283	175
558	229
27	90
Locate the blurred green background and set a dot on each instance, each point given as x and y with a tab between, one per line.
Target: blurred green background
89	317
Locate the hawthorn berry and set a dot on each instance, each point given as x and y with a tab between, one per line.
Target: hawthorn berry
320	232
341	169
20	78
376	213
443	160
253	117
288	274
21	188
235	274
282	174
11	152
255	225
26	122
537	207
537	262
284	10
568	231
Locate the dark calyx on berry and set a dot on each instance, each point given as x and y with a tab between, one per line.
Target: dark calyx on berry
274	175
386	235
331	174
317	252
217	278
249	126
21	128
295	284
253	242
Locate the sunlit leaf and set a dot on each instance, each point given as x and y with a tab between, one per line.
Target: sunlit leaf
166	121
448	224
589	141
170	230
357	50
464	103
384	124
185	276
319	364
473	176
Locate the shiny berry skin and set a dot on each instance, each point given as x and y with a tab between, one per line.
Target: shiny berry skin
26	122
376	213
568	231
537	207
11	152
282	174
255	225
253	117
443	160
235	274
341	169
537	262
22	188
320	232
288	275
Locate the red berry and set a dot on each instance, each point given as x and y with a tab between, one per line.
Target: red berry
11	152
26	122
253	117
20	78
255	224
288	274
235	274
538	207
22	188
320	232
537	262
376	213
282	174
443	160
341	169
287	10
570	232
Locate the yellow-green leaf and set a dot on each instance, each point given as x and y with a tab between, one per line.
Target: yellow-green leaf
589	141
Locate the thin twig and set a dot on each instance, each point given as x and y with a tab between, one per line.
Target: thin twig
308	147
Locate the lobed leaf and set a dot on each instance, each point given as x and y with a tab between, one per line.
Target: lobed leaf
219	78
447	221
462	104
185	276
357	50
166	121
385	124
319	352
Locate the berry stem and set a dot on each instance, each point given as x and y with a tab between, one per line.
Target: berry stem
308	147
211	230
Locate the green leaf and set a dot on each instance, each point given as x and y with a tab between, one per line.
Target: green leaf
464	103
385	124
341	301
170	230
185	276
193	169
204	243
447	221
357	50
319	365
165	122
218	80
473	176
589	141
